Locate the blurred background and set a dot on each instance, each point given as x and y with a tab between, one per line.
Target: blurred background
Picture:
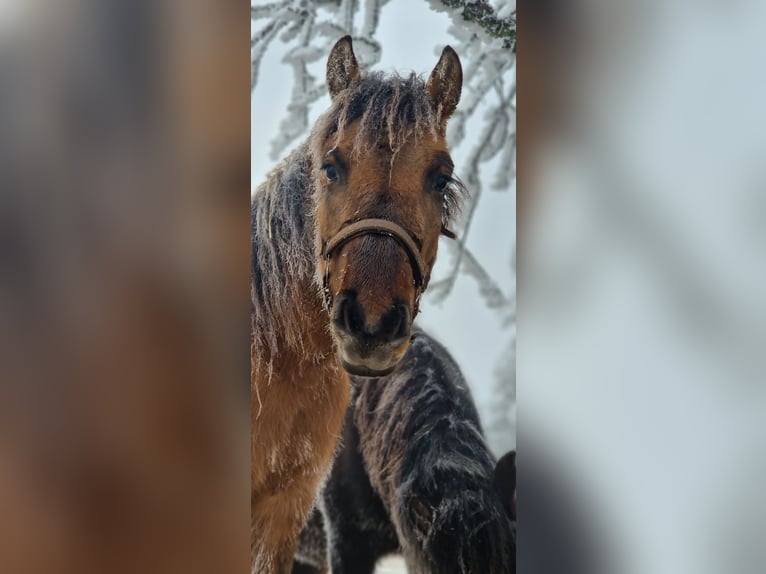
642	252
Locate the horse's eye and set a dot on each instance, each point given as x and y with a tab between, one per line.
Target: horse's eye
331	172
441	182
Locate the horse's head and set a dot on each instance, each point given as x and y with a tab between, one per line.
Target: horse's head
384	191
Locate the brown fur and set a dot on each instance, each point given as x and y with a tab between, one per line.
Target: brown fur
291	444
388	156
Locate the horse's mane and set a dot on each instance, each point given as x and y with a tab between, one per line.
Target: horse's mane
282	250
390	109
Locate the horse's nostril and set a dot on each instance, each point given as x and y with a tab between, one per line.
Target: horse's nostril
348	316
404	324
394	325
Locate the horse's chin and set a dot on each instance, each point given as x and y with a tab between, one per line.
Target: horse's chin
360	359
363	371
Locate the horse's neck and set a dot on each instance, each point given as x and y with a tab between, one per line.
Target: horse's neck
288	310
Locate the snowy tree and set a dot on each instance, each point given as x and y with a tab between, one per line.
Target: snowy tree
482	132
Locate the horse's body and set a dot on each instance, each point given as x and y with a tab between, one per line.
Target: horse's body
344	234
414	475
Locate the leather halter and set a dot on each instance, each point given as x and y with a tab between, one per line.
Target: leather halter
420	272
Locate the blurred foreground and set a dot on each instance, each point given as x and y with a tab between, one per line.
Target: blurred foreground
124	243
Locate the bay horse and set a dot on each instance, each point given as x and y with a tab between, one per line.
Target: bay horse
344	236
414	475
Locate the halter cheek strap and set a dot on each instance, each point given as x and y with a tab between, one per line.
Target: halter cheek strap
420	272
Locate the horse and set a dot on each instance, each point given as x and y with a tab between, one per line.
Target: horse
414	475
344	236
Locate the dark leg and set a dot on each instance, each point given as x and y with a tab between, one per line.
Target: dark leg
301	568
351	554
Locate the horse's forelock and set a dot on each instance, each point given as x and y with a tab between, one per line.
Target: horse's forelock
390	109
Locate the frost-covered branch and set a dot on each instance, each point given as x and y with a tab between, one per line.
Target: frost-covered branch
497	134
481	13
309	28
494	296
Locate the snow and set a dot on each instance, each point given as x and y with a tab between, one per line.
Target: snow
391	565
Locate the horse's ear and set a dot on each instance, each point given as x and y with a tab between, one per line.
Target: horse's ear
445	84
505	482
342	67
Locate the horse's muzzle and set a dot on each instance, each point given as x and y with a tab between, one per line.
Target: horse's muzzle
370	350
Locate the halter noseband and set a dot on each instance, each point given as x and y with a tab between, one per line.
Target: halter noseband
420	273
